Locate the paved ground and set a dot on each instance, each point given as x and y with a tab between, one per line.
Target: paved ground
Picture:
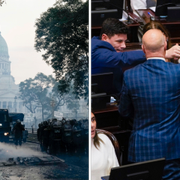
51	172
74	166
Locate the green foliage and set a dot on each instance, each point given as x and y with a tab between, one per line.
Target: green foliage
62	34
1	2
40	92
71	102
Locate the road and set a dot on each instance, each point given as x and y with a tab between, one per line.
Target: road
29	163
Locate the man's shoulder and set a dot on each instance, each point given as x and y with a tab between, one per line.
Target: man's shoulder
171	64
95	38
153	64
96	42
134	70
167	66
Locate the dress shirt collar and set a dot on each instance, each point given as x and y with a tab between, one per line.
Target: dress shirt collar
156	58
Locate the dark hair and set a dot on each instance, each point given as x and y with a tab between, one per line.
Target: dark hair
157	25
97	139
112	26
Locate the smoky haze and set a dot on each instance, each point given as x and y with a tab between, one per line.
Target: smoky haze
9	151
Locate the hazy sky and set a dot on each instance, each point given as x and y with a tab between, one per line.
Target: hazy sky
17	20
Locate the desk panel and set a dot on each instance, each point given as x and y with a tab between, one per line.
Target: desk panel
109	119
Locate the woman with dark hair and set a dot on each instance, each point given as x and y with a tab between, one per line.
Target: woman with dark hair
102	153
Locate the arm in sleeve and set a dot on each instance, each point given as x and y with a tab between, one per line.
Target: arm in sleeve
108	58
125	105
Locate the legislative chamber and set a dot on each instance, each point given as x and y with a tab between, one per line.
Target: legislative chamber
103	101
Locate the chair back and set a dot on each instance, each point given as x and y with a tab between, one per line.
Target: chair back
113	140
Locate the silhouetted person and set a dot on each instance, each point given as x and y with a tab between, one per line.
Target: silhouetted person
18	129
32	129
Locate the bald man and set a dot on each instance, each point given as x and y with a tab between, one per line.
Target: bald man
107	52
151	96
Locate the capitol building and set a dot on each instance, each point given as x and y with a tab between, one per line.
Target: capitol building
9	93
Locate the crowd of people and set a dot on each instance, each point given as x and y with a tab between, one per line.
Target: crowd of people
149	93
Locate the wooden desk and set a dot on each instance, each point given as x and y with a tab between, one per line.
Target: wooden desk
133	24
174	30
109	108
109	119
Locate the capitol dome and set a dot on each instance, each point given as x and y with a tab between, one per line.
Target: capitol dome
3	48
9	91
7	82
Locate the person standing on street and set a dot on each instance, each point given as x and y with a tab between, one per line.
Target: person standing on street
18	130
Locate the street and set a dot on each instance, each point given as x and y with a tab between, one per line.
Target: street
28	162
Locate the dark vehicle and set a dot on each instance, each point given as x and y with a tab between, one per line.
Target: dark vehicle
5	127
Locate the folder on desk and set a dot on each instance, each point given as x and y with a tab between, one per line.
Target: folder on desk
105	178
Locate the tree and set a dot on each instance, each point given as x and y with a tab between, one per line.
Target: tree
62	34
41	92
72	104
1	2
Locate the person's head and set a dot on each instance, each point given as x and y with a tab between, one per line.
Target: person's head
94	134
93	125
114	32
154	43
158	25
18	121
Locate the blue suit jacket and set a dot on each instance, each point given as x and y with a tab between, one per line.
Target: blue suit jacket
151	95
105	59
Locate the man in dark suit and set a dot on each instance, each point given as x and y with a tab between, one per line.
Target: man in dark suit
151	96
107	55
107	52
